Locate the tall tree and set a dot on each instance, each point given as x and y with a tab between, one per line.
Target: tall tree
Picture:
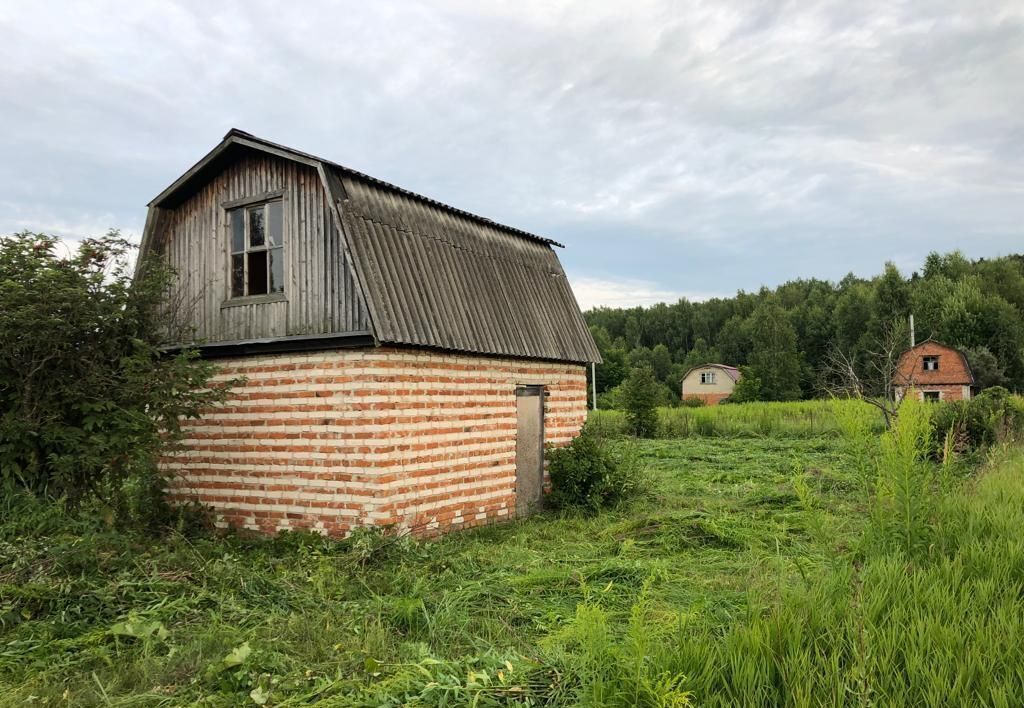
774	358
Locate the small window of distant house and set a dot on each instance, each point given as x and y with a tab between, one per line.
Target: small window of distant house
933	396
707	377
931	363
257	249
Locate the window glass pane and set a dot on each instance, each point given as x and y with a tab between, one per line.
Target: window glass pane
257	273
275	224
238	275
237	231
277	270
256	227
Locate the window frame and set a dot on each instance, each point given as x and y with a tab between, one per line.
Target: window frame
246	206
931	396
930	359
707	378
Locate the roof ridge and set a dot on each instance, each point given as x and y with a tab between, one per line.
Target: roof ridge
237	132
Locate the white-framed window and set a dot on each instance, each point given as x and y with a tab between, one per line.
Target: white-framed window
257	249
931	363
707	377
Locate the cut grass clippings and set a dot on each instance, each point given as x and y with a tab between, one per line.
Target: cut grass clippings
319	619
754	571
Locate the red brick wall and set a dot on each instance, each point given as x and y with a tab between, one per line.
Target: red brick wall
334	440
952	367
710	399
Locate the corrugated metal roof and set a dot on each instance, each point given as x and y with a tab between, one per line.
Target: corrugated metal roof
432	275
437	277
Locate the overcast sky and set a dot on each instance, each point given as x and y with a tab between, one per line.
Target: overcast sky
680	149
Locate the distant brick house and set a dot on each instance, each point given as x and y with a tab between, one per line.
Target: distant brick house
935	371
711	383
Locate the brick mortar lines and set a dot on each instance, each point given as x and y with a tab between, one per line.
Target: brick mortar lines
392	451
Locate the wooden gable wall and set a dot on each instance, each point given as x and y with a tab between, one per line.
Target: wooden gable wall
320	296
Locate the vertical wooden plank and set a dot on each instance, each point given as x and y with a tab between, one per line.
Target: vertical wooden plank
321	295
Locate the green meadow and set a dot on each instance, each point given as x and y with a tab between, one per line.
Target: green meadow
781	554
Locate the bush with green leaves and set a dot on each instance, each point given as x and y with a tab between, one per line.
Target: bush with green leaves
87	397
590	474
993	415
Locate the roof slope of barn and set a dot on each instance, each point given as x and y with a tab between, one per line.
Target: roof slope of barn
432	275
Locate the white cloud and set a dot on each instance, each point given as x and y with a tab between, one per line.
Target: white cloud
718	143
609	292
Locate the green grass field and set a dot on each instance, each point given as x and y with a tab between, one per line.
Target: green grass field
800	419
756	570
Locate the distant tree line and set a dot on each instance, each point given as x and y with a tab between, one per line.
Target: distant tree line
783	339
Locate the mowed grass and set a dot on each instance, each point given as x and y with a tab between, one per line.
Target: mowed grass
759	569
89	616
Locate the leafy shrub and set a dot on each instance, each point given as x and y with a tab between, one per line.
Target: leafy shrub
989	417
748	388
692	402
87	398
611	399
640	401
589	474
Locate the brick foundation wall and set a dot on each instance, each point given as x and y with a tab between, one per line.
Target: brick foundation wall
947	392
710	399
334	440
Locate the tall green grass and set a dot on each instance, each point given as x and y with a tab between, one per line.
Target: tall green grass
801	419
834	569
928	609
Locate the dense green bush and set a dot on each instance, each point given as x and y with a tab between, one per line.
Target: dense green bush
589	474
989	417
692	402
87	398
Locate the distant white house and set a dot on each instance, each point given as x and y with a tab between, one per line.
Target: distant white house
711	383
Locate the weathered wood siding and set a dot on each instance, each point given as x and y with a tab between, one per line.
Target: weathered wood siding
320	295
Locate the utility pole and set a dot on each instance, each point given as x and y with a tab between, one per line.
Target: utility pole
912	340
593	381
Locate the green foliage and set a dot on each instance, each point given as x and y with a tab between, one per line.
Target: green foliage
692	402
87	399
748	388
990	417
601	671
774	359
969	304
640	402
987	370
588	474
906	481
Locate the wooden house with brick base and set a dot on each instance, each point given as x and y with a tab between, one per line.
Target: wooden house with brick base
934	372
406	362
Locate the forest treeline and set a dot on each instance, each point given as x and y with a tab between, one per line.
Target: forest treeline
785	338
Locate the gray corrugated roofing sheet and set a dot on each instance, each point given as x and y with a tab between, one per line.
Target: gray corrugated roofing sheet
443	278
